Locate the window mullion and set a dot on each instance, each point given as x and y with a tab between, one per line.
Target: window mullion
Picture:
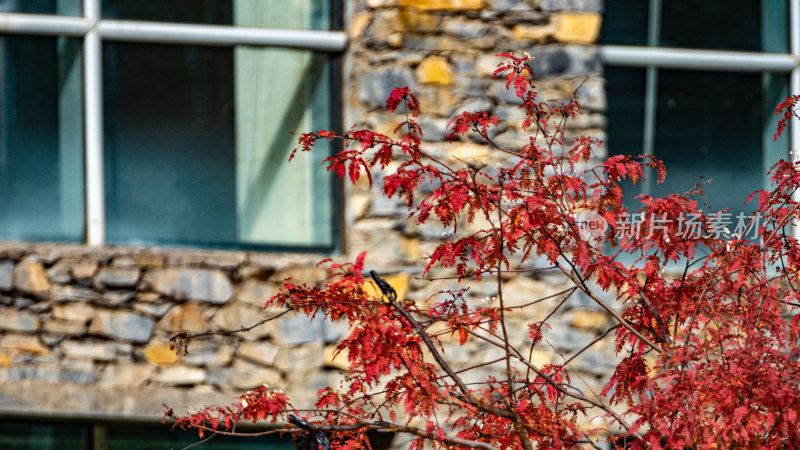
93	103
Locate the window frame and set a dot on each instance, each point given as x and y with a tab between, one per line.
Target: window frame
94	30
653	58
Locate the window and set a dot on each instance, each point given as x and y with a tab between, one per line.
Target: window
696	83
154	122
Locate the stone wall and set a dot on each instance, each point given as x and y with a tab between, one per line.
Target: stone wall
86	330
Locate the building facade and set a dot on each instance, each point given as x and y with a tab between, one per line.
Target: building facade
144	187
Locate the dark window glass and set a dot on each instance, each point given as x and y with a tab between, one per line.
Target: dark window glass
21	436
725	24
41	156
744	25
708	126
295	14
197	142
152	438
65	7
624	22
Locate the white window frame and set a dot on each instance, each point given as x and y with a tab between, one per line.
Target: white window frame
94	30
652	58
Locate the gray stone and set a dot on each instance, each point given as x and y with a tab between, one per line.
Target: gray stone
180	376
561	337
595	362
244	375
257	292
466	30
374	87
301	329
503	95
118	277
225	260
116	298
433	129
592	95
475	105
6	271
571	5
152	309
508	5
61	271
208	353
568	62
122	325
205	285
71	293
76	375
262	353
126	374
18	321
97	351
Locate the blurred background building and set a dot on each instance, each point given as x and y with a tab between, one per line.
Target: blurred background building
145	189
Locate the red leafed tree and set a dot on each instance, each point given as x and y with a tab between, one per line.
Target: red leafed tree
703	321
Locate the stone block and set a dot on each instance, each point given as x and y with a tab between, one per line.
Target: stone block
589	320
14	320
577	28
116	298
189	317
239	315
71	293
123	325
300	358
206	285
208	353
60	272
412	21
97	351
30	276
225	260
337	362
256	293
157	309
398	281
358	23
62	327
180	376
118	277
6	275
125	375
566	61
301	329
261	353
78	312
84	270
160	354
466	29
571	5
375	86
434	70
443	5
243	375
24	344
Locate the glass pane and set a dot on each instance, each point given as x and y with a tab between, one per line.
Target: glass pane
41	156
19	436
295	14
624	22
64	7
745	25
708	125
158	438
725	25
197	142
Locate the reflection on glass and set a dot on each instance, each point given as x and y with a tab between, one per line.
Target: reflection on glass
744	25
41	157
20	436
709	126
64	7
197	140
295	14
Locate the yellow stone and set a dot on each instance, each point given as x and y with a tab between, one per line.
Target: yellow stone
443	5
469	152
23	344
577	28
398	281
188	317
409	248
358	24
415	22
532	32
434	70
159	354
339	362
541	358
589	320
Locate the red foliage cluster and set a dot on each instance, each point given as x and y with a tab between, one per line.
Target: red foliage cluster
708	356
